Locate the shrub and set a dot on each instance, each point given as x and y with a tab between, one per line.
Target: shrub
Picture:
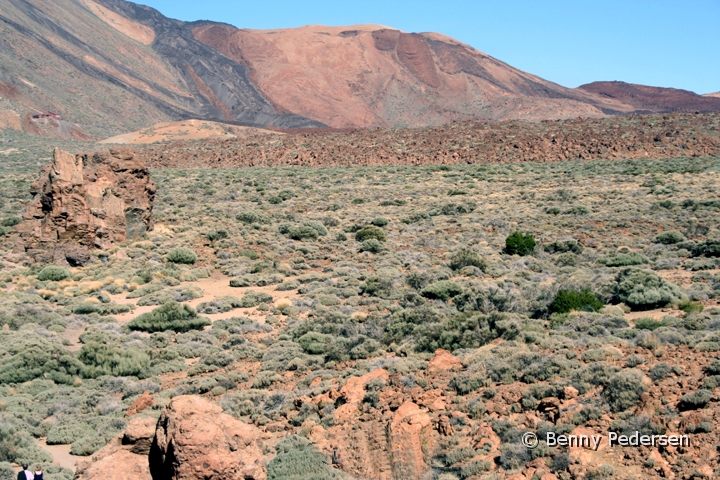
249	218
317	226
379	222
370	231
624	389
182	255
303	232
53	273
10	221
645	290
314	343
467	258
219	234
625	260
103	359
695	400
670	238
564	246
372	245
568	300
171	316
691	307
518	243
649	324
442	290
297	459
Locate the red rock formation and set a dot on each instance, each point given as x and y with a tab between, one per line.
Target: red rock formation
194	439
124	458
87	201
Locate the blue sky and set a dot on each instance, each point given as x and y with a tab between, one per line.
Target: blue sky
658	42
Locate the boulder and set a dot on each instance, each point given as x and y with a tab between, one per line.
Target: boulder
85	202
194	439
125	457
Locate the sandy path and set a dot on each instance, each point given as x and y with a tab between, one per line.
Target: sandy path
61	454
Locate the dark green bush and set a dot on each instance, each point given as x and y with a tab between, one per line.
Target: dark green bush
670	238
10	221
518	243
53	273
649	324
379	222
467	258
645	290
171	316
442	290
568	300
219	234
182	255
370	231
564	246
303	232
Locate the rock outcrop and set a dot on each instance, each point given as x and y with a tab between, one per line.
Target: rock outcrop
124	458
194	439
84	202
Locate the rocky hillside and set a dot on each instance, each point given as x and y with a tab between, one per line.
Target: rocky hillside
97	68
620	137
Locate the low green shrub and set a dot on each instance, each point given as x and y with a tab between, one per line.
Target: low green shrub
624	260
372	245
645	290
442	290
691	307
518	243
568	300
695	400
171	316
370	231
297	459
670	238
624	389
182	255
53	273
467	258
564	246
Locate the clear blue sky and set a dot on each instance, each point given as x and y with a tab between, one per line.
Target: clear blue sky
668	43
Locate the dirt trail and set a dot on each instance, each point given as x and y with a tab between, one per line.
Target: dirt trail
61	454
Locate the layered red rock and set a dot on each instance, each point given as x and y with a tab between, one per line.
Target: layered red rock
87	201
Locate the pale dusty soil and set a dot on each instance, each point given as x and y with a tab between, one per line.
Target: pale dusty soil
61	454
185	130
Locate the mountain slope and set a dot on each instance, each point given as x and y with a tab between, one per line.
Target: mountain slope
110	70
110	66
646	99
369	75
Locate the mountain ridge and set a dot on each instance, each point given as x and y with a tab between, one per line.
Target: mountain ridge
109	67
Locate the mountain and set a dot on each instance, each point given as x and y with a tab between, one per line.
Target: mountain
370	75
716	94
98	68
646	99
116	66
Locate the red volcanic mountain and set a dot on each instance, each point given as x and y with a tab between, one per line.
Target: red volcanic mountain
102	67
646	99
